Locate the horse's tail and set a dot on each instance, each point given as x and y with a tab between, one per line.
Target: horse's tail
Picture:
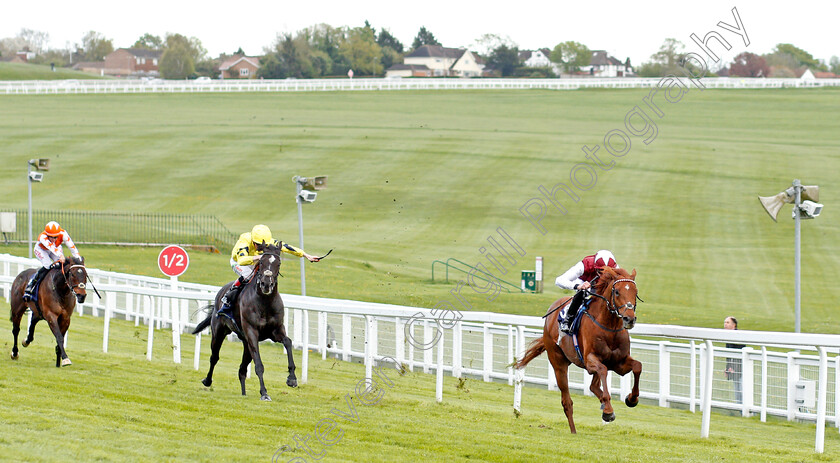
535	349
206	322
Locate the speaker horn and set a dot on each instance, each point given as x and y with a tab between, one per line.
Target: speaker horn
773	204
810	193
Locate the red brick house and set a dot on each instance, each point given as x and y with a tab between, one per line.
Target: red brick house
240	67
133	62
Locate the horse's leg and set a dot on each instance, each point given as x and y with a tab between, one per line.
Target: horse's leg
243	367
252	339
561	373
635	366
280	336
596	368
30	335
216	342
60	356
17	314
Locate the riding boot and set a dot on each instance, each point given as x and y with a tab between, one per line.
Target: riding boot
566	322
29	292
228	299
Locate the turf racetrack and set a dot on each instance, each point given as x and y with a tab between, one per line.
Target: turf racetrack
418	176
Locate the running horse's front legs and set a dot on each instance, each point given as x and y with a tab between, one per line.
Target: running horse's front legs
599	386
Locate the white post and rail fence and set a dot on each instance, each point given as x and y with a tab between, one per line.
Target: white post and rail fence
789	375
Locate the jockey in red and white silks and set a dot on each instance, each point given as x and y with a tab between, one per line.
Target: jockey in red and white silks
579	278
582	273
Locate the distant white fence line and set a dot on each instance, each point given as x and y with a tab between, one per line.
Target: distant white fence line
681	365
39	87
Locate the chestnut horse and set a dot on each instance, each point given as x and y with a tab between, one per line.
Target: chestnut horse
603	341
259	310
58	293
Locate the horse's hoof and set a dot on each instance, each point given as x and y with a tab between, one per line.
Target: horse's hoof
629	403
207	382
266	398
66	362
608	417
14	356
291	382
24	344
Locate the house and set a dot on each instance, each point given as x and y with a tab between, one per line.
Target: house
408	70
136	62
603	65
446	62
93	67
535	58
825	75
20	57
239	67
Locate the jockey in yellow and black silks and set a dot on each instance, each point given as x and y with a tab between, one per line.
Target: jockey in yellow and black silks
243	258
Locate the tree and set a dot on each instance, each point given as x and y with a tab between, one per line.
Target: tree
292	57
328	39
34	41
424	37
95	46
504	59
177	62
149	42
666	61
485	44
749	65
239	52
571	55
802	57
362	52
835	65
385	39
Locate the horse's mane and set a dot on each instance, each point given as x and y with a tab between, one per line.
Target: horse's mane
609	275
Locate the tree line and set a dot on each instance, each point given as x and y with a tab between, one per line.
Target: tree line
322	50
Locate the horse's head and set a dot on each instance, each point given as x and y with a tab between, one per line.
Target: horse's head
268	268
618	287
76	275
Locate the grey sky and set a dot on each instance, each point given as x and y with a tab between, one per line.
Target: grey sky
633	29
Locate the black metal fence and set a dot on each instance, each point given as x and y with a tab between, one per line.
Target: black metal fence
95	227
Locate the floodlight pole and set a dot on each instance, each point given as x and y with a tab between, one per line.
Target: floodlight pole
797	186
29	182
299	188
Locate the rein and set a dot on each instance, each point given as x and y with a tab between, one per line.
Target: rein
617	311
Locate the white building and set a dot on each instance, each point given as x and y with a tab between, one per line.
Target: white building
603	65
445	62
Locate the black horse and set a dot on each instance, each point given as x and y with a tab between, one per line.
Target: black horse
58	293
259	311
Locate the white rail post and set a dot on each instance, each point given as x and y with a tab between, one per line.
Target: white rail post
457	350
197	354
763	384
511	355
707	388
664	374
427	351
821	400
175	313
399	340
106	324
487	362
439	372
747	380
836	384
322	334
368	349
519	374
346	337
692	378
304	353
792	378
151	339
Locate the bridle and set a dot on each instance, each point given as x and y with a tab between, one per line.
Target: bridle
66	273
618	311
267	272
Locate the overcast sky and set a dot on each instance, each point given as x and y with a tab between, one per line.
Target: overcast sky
633	29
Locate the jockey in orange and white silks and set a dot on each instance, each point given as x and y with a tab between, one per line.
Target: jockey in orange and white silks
579	278
49	251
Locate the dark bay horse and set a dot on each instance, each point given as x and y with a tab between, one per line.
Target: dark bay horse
259	311
603	340
58	293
